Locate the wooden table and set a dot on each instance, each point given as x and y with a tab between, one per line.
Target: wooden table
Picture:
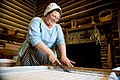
51	73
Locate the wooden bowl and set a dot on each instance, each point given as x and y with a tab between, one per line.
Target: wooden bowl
7	63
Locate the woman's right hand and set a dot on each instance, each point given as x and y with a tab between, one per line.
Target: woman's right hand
53	59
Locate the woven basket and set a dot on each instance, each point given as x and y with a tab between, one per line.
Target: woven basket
108	17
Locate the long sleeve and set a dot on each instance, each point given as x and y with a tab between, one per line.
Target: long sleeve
60	36
34	34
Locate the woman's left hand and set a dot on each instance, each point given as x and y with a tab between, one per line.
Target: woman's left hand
67	62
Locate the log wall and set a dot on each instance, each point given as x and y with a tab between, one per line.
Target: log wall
16	15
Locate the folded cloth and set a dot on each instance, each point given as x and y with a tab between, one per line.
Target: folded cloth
113	76
118	69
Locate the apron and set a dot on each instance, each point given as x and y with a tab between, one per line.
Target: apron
30	56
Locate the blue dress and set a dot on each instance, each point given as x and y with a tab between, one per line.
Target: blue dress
38	31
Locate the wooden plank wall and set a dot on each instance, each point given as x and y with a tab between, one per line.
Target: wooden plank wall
82	11
15	15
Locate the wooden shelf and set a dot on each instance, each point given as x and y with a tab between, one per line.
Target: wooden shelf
87	26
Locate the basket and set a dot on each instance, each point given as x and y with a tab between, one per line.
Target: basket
108	17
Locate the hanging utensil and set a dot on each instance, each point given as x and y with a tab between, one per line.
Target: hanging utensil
95	35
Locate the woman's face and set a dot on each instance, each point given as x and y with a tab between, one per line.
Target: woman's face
52	18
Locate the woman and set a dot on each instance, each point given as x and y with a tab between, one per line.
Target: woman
43	36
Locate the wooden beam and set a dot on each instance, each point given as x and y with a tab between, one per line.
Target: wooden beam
15	11
4	11
87	26
119	22
23	5
66	3
41	8
12	19
72	6
8	52
84	12
19	39
30	3
15	6
16	25
5	26
109	57
80	8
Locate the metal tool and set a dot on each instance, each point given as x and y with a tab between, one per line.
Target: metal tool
61	67
64	69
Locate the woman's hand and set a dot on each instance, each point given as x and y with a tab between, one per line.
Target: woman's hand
53	59
66	61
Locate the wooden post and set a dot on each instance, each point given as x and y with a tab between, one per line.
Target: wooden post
109	57
72	24
67	35
119	22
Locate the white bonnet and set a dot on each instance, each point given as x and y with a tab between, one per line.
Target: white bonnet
51	7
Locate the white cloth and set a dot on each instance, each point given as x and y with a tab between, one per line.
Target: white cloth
113	76
51	7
